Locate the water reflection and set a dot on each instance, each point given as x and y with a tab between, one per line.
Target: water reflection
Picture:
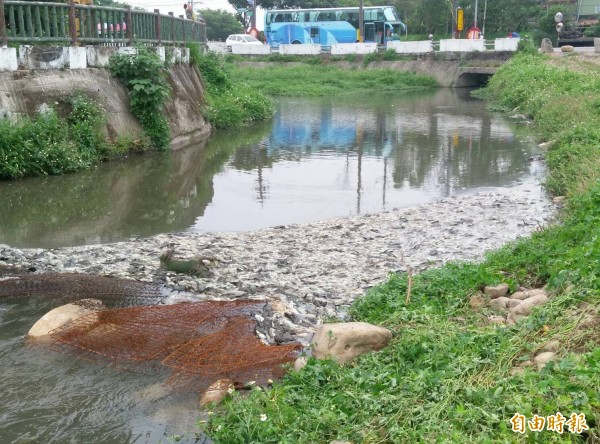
318	158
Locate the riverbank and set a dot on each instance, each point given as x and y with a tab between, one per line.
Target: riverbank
452	373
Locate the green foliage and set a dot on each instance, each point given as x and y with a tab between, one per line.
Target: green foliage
48	144
306	80
592	31
144	75
526	46
220	24
228	103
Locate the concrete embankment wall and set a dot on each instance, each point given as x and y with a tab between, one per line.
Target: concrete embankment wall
26	92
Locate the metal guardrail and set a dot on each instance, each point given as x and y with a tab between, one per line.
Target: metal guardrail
42	22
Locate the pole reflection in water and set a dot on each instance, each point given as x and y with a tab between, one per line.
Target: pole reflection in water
317	159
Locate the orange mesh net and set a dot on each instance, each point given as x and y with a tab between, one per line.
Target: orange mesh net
200	342
68	286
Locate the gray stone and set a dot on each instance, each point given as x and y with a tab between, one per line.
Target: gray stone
499	303
544	358
567	48
551	346
346	340
300	363
476	301
546	46
511	303
496	291
57	318
525	307
496	319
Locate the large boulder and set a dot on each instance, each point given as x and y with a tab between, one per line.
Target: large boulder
525	307
346	340
496	291
546	46
57	318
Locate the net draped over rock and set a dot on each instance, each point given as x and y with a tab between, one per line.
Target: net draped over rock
200	341
69	286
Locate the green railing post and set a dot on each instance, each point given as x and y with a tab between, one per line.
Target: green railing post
172	27
157	26
3	38
72	28
181	17
129	23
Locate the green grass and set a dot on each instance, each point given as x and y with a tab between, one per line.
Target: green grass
310	81
446	377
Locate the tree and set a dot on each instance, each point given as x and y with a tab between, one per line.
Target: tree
220	24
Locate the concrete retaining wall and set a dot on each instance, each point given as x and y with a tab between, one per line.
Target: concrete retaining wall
74	57
419	47
219	47
461	45
250	49
506	44
308	49
27	92
353	48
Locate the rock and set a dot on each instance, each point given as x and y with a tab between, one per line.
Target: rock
512	318
346	340
511	303
527	293
476	301
546	46
300	363
499	303
340	442
551	346
543	358
496	291
519	295
567	48
57	318
559	201
216	392
525	307
516	371
496	319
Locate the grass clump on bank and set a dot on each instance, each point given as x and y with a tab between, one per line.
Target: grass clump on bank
307	80
446	376
50	144
228	102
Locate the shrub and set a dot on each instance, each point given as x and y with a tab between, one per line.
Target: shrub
144	75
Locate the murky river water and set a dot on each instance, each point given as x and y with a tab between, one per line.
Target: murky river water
318	158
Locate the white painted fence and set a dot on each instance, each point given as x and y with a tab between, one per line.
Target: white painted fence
462	45
506	44
418	47
308	49
243	49
353	48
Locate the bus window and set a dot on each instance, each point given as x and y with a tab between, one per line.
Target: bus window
314	32
268	18
391	15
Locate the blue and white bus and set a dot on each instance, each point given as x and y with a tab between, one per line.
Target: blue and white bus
327	26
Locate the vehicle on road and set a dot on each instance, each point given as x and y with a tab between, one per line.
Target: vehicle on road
241	39
327	26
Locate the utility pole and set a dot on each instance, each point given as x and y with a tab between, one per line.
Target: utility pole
253	21
361	21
